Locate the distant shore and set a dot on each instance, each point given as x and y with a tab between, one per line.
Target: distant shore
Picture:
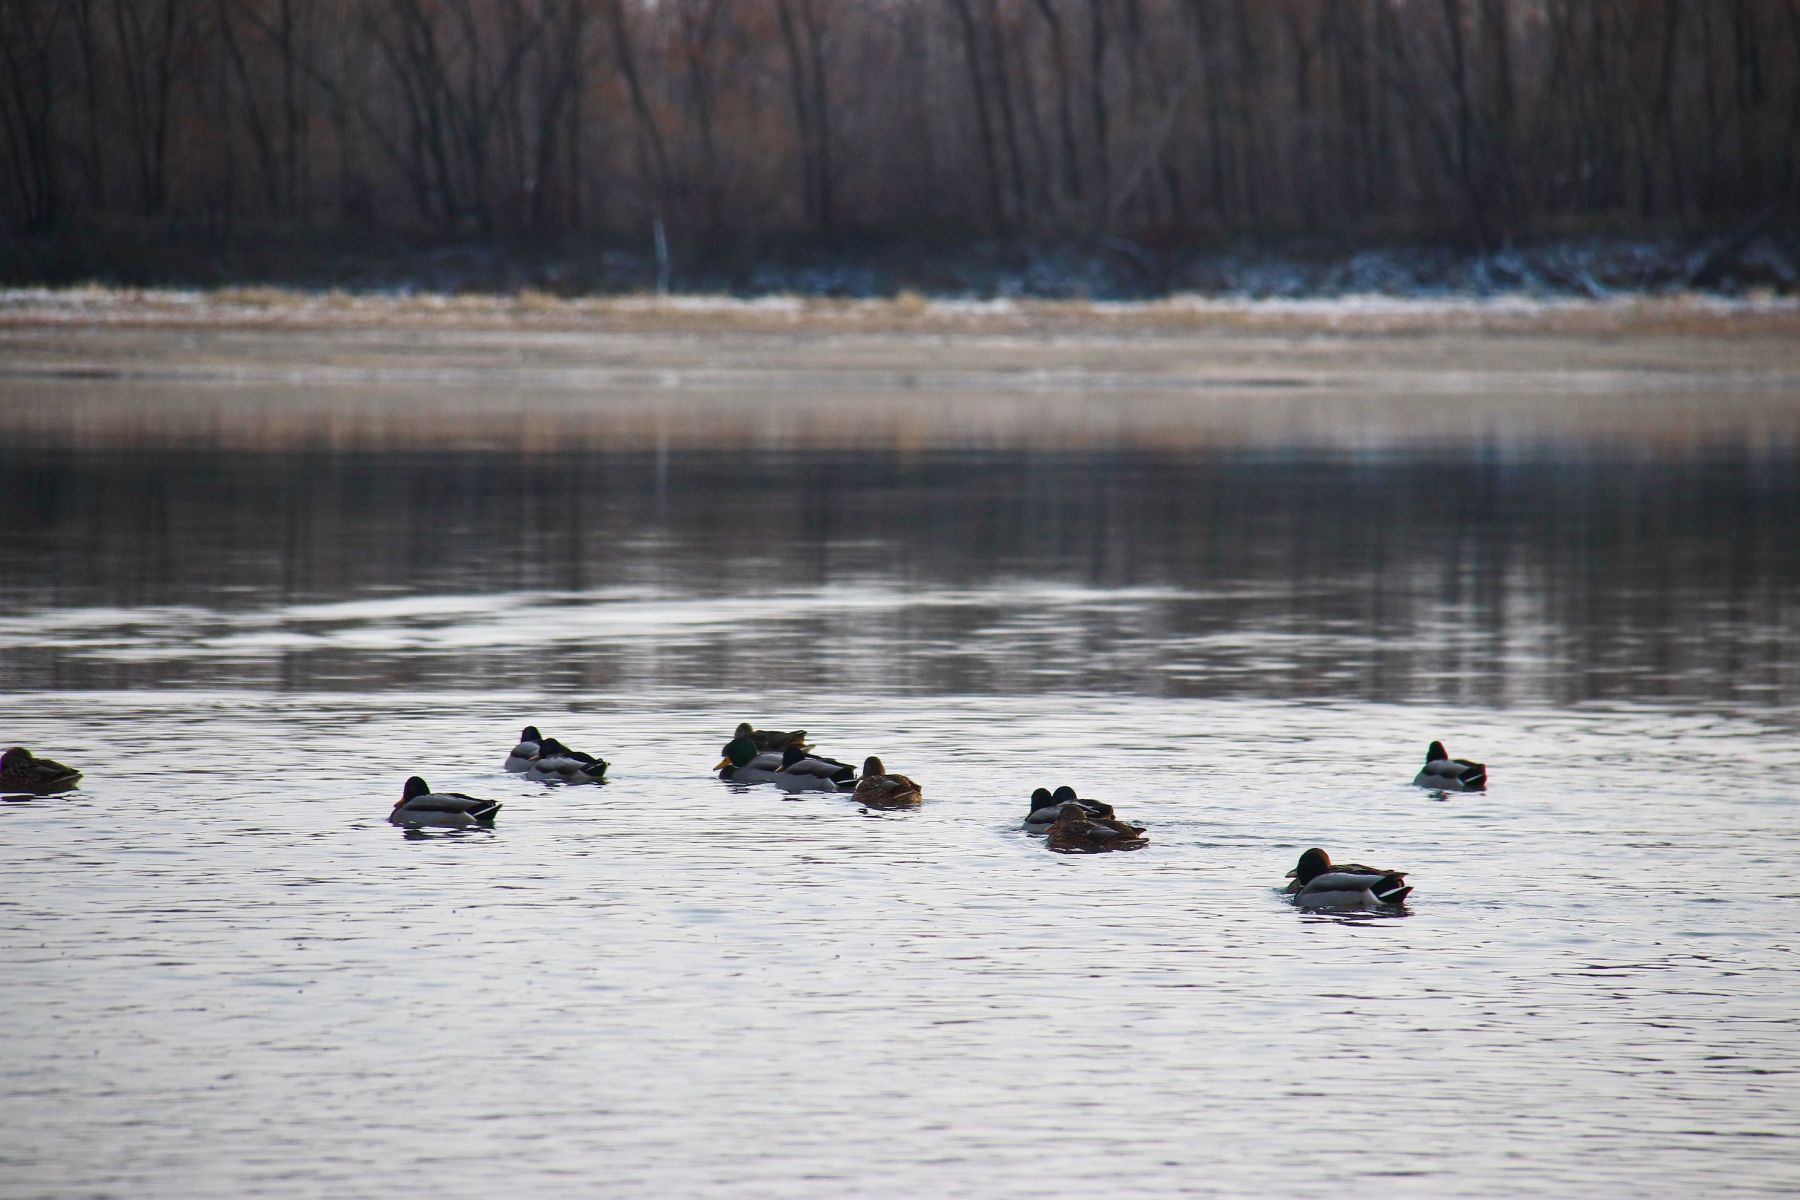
1758	259
266	369
268	308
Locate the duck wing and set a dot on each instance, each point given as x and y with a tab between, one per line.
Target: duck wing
442	802
1086	836
1452	773
886	790
40	775
1474	774
1388	887
823	768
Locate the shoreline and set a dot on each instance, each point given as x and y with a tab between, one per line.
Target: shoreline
264	369
252	308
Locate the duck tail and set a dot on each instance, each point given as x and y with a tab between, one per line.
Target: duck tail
486	813
1391	889
1474	775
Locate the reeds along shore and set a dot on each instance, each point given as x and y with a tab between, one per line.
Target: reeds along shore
1128	125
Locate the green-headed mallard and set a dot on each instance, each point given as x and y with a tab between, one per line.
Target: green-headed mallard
556	761
1445	774
1320	884
419	805
526	752
744	763
1045	805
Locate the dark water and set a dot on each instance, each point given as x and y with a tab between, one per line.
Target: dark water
1464	574
225	974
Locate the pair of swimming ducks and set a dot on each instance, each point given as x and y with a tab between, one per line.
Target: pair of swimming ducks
535	756
1322	884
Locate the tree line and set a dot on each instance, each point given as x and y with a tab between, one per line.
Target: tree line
1144	121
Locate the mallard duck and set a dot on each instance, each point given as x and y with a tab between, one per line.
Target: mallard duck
1318	883
557	761
1446	774
878	789
419	805
744	763
1043	812
1095	808
771	739
526	752
803	772
1077	831
20	771
1045	805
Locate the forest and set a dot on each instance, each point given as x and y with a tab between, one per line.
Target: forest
709	126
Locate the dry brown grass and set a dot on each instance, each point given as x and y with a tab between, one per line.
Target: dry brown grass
908	312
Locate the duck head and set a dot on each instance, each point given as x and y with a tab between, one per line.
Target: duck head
872	766
1069	813
745	729
1041	798
792	755
531	734
414	787
1312	864
1436	752
1063	795
738	751
16	759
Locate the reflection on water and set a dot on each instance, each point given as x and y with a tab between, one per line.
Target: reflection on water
1459	573
226	974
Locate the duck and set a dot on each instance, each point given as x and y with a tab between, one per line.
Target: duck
526	752
1045	804
1446	774
1318	883
878	789
21	771
744	763
803	772
1043	811
557	761
1095	808
771	739
419	805
1077	831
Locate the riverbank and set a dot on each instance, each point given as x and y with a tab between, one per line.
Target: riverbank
540	374
272	308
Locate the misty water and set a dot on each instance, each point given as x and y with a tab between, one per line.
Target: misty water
248	609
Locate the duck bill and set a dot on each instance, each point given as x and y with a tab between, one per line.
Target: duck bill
1293	874
722	763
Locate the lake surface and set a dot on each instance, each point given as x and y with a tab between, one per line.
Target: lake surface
249	602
